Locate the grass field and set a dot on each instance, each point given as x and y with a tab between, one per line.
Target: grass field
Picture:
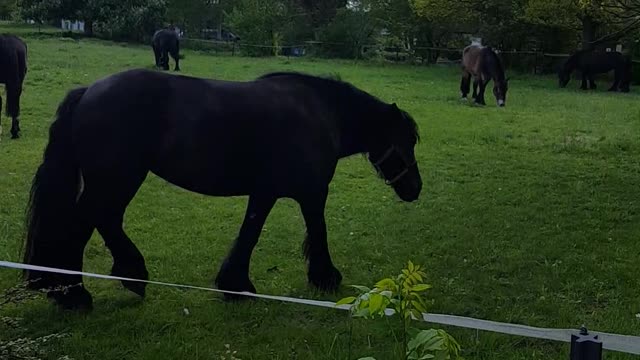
529	214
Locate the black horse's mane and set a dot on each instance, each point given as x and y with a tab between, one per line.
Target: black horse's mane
335	79
496	60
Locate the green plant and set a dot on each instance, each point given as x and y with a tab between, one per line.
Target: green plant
402	295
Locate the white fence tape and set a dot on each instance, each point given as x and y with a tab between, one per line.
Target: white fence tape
622	343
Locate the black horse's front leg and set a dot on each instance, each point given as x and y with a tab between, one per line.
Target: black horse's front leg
616	82
480	97
15	127
234	272
583	86
321	272
592	82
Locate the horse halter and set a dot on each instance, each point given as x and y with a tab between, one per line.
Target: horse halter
378	165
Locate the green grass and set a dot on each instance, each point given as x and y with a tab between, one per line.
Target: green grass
529	214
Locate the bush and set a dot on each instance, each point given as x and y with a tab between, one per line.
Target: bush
259	23
134	20
347	34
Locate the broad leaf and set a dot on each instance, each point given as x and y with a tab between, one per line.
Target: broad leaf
347	300
421	287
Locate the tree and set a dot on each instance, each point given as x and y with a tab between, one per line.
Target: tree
7	7
395	16
194	15
611	19
40	11
498	22
260	24
319	12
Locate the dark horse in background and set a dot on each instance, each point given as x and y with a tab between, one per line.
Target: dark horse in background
484	65
165	42
13	69
279	136
590	63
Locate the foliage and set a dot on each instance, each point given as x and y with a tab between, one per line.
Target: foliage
403	295
7	8
127	20
121	20
39	11
259	23
347	33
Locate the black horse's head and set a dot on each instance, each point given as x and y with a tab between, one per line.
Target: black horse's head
393	154
500	89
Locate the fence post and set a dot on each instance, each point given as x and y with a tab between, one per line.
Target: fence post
585	346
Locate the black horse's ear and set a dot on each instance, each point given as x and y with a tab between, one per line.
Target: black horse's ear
394	106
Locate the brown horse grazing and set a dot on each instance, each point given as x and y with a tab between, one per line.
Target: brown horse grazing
484	65
13	69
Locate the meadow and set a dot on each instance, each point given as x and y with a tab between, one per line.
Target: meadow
529	214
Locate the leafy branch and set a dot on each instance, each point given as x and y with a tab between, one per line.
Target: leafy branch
403	295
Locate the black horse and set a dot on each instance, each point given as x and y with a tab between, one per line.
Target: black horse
484	65
590	63
13	69
280	135
165	42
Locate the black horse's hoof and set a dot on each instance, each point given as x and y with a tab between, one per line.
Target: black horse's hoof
231	280
326	279
74	298
15	135
239	286
139	288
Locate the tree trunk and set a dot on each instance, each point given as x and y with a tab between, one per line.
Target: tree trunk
88	28
588	32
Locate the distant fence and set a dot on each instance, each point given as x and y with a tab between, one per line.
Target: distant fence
534	62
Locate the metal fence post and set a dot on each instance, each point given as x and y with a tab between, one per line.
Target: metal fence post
585	346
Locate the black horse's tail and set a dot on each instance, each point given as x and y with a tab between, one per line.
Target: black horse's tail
53	195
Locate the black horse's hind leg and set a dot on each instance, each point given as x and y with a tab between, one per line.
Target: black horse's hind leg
165	59
111	196
464	85
175	53
234	272
592	83
156	54
14	111
176	58
321	272
72	295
